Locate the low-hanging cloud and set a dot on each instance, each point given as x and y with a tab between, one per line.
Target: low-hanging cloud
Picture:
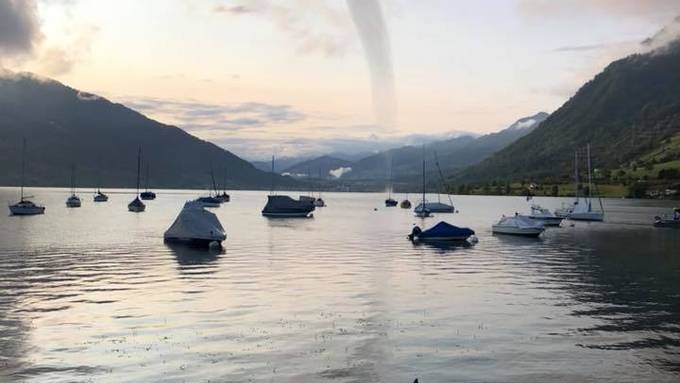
19	27
370	24
339	172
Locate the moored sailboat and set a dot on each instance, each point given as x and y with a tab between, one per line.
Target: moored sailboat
25	206
73	200
283	206
137	206
583	210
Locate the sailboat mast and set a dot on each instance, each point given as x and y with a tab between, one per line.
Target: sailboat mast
139	164
590	179
576	180
147	176
23	167
272	188
73	179
423	184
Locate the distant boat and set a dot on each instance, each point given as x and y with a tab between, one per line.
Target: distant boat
434	207
405	204
422	211
667	220
196	226
137	206
25	206
518	225
389	201
583	210
73	200
147	194
209	201
283	206
442	231
100	197
319	202
224	197
544	215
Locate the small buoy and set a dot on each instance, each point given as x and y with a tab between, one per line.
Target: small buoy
375	209
572	225
474	239
457	211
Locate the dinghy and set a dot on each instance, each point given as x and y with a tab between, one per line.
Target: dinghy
196	226
544	215
441	232
518	225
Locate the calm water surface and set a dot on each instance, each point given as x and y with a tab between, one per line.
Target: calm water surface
93	294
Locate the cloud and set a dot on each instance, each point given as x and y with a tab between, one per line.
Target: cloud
60	60
315	26
199	117
19	27
339	172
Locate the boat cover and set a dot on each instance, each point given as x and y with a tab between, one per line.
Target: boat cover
520	221
196	223
446	230
434	207
284	205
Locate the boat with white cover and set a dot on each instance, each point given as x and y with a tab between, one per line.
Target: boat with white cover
25	206
544	215
196	226
518	225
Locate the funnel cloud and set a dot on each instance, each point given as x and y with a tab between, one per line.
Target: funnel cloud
370	24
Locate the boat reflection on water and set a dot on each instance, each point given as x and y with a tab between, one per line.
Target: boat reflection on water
192	256
443	246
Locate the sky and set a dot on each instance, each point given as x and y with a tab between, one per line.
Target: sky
308	77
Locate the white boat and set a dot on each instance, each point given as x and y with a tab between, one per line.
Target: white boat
518	225
137	206
73	200
544	215
565	210
25	206
195	226
583	209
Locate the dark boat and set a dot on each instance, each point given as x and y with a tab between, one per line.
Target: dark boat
390	202
441	232
209	201
137	206
147	195
282	206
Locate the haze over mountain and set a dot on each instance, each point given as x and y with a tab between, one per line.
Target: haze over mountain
65	127
625	111
453	154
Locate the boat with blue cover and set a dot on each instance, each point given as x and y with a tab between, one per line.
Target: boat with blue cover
442	231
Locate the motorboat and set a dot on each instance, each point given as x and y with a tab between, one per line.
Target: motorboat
518	225
73	201
391	202
196	226
565	210
100	197
137	206
434	207
666	220
25	206
544	215
405	204
319	202
583	208
147	195
442	231
284	206
209	201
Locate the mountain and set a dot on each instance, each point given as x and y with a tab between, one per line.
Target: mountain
625	111
318	167
453	154
280	163
65	127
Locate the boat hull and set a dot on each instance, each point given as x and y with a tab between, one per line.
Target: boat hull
101	198
548	221
661	222
511	230
148	196
72	202
587	216
279	206
304	214
435	207
17	210
390	203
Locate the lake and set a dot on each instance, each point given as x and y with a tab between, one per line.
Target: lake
93	294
